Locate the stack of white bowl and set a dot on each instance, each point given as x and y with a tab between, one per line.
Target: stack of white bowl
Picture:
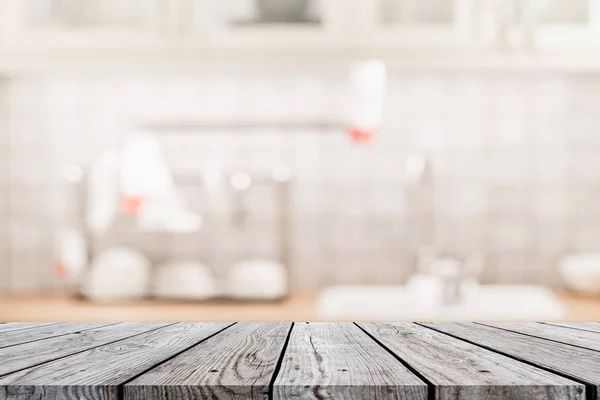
122	273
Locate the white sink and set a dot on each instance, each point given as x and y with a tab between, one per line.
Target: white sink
485	302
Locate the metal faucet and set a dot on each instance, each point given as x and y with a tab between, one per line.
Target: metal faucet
451	271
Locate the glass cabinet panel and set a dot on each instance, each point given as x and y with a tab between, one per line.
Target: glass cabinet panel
414	23
50	14
565	11
265	23
417	12
235	13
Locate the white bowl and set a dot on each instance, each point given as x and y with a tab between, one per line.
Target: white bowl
581	273
118	273
188	280
257	280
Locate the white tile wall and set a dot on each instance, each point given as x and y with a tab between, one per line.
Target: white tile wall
516	166
5	231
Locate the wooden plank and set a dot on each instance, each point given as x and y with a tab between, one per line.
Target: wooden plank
575	337
17	326
235	364
26	355
576	363
339	361
584	326
45	332
460	370
96	373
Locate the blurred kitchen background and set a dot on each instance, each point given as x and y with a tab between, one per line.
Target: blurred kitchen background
299	159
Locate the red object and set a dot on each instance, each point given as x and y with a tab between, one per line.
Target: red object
360	135
130	205
60	269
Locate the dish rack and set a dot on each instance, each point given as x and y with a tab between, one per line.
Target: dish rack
212	244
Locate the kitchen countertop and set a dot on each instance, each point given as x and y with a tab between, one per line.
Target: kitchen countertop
410	361
301	306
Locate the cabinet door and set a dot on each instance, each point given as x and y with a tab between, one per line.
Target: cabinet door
53	23
264	23
416	23
568	22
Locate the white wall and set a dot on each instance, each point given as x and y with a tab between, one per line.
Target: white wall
517	164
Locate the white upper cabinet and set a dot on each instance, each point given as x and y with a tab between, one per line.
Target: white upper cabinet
538	24
437	27
266	23
522	24
568	22
415	23
91	23
224	23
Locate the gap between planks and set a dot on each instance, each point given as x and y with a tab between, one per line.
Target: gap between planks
46	332
20	326
119	388
271	387
581	326
282	353
280	362
552	336
82	350
466	371
431	390
74	380
238	363
591	390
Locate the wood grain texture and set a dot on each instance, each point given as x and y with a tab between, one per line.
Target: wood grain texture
238	363
18	326
463	371
584	326
577	363
96	373
339	361
13	338
575	337
402	361
26	355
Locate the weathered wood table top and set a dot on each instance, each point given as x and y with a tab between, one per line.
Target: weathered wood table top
410	361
